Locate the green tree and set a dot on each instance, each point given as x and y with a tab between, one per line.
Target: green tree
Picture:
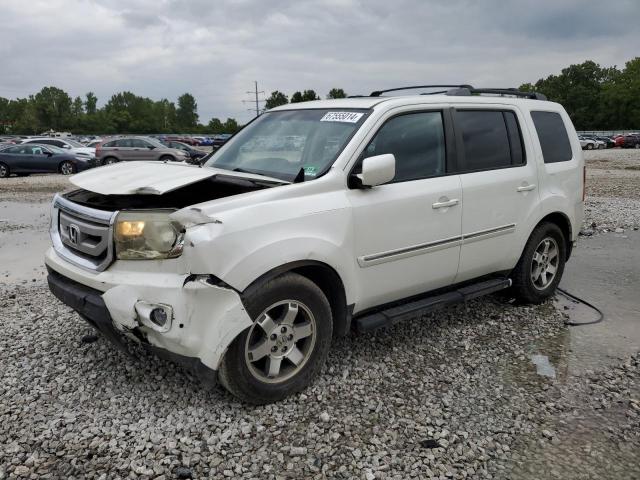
53	108
231	126
77	107
91	103
216	126
337	93
276	99
296	97
187	112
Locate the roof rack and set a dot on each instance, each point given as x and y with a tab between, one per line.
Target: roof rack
464	90
378	93
514	92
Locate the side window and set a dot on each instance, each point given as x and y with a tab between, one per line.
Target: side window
123	143
137	143
553	137
491	139
417	142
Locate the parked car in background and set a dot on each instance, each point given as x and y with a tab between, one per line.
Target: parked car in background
608	141
194	154
95	143
587	143
627	141
600	143
31	158
220	139
66	144
137	148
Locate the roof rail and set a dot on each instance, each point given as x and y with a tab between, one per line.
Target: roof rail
378	93
497	91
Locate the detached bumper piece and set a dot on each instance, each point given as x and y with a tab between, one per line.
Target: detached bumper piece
91	307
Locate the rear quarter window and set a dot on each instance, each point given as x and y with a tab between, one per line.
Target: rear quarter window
553	137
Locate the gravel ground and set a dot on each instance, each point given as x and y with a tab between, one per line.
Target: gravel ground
478	391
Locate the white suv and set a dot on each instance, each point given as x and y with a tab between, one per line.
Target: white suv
317	218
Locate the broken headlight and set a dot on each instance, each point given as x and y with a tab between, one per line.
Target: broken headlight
147	235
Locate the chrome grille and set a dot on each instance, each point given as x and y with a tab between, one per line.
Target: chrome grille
82	235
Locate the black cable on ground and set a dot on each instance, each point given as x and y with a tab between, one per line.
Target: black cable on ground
584	302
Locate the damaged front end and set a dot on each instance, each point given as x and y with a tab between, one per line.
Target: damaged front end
145	291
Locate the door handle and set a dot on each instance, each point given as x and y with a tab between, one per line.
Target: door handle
448	203
526	188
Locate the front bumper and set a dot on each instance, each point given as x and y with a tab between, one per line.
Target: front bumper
206	318
91	307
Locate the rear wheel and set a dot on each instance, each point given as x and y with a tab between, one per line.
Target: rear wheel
109	161
167	158
540	268
287	344
67	168
4	170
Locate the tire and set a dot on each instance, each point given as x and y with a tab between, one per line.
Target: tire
67	168
110	161
245	374
529	287
167	158
589	146
4	170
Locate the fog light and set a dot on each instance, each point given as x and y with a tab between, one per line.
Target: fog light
158	316
155	316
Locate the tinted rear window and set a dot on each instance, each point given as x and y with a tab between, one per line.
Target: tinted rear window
553	137
491	139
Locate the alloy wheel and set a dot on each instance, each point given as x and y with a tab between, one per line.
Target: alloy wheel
544	264
66	168
280	341
3	171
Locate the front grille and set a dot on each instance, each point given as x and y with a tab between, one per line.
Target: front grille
82	235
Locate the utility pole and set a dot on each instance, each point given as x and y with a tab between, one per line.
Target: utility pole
257	99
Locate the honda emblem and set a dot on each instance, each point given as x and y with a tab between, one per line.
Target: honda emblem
74	234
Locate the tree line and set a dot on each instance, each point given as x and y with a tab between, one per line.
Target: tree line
596	98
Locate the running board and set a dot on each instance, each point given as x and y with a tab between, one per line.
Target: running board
392	315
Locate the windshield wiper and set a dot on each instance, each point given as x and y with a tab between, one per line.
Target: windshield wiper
243	170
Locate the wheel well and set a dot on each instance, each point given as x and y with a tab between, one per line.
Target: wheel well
329	282
563	222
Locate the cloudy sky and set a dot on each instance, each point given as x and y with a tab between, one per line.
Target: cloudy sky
215	49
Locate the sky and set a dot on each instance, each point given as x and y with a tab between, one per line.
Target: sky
215	49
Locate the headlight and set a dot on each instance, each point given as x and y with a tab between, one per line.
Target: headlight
144	235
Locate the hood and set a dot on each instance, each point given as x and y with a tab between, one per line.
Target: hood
88	150
154	178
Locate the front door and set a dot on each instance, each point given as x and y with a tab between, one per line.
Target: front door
407	232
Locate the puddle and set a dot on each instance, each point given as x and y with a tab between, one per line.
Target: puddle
23	240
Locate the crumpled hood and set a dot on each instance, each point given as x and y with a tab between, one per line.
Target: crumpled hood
153	178
86	150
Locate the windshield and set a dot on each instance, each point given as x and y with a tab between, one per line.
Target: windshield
282	144
74	144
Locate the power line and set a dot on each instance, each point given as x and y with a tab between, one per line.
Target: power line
257	99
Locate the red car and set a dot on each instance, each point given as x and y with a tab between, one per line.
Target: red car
628	141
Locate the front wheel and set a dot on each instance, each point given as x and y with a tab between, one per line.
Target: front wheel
540	268
167	158
4	170
589	146
287	344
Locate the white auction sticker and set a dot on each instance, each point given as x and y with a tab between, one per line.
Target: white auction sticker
349	117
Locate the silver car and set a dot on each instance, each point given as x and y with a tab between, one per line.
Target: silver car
137	148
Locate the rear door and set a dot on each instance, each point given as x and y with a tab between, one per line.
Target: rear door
407	232
499	188
140	150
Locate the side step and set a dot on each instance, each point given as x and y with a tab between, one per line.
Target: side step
392	315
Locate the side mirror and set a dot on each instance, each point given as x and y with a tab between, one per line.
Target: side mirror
150	147
68	147
377	170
